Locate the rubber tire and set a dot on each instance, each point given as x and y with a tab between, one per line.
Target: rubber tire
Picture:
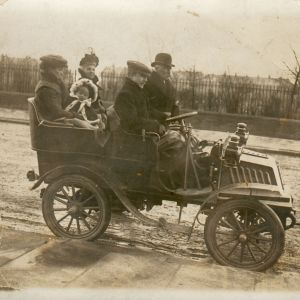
93	187
279	234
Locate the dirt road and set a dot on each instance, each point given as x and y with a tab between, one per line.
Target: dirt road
21	208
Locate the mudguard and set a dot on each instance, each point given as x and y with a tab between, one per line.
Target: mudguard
268	194
102	177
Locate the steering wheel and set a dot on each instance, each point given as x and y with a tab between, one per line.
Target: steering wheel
182	116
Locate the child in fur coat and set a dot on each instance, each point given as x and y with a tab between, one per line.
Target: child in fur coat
82	105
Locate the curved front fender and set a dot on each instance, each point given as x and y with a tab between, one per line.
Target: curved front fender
269	194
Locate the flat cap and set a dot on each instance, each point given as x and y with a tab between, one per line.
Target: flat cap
138	67
53	61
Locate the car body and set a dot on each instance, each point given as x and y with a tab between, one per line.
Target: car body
243	195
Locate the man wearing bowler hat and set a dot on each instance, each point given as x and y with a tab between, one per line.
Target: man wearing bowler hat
159	88
132	104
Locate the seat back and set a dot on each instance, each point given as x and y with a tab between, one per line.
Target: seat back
58	137
33	121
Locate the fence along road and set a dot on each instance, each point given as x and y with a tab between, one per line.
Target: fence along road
219	93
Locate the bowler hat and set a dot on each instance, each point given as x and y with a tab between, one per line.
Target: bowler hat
163	59
53	61
138	67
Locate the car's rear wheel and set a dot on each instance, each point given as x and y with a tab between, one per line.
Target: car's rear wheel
244	234
75	207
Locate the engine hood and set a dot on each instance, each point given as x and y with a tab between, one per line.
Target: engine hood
258	158
256	168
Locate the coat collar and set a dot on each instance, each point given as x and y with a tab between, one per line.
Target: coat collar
132	84
158	81
49	84
156	77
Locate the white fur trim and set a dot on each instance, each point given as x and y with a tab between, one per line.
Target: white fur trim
84	82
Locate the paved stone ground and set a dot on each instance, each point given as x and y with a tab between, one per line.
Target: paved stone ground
29	260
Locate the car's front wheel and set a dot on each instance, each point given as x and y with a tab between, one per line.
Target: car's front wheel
244	234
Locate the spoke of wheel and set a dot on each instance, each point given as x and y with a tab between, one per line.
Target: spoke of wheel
246	219
228	224
90	216
87	199
81	193
259	248
61	196
73	193
60	200
260	238
91	207
224	232
227	242
259	230
242	252
60	209
236	221
70	223
61	219
66	194
234	247
86	223
251	252
78	225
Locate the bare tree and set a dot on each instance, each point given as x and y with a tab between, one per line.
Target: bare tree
295	73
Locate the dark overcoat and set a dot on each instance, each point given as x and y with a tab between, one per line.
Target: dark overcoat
133	109
161	93
51	98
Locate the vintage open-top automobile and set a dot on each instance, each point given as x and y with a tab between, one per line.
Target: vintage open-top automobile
240	191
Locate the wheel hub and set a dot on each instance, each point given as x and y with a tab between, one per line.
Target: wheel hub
74	210
243	237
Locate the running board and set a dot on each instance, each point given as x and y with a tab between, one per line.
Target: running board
193	193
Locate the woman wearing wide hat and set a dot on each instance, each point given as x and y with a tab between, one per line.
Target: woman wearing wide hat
87	69
159	88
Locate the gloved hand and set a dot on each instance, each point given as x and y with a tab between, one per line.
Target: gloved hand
203	143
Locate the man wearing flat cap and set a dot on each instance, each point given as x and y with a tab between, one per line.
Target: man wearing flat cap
51	94
159	87
132	104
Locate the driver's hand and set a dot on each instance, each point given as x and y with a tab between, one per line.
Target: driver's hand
203	143
162	129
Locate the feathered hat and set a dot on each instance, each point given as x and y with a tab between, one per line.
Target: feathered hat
89	58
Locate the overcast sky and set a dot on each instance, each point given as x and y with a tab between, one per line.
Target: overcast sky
247	37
